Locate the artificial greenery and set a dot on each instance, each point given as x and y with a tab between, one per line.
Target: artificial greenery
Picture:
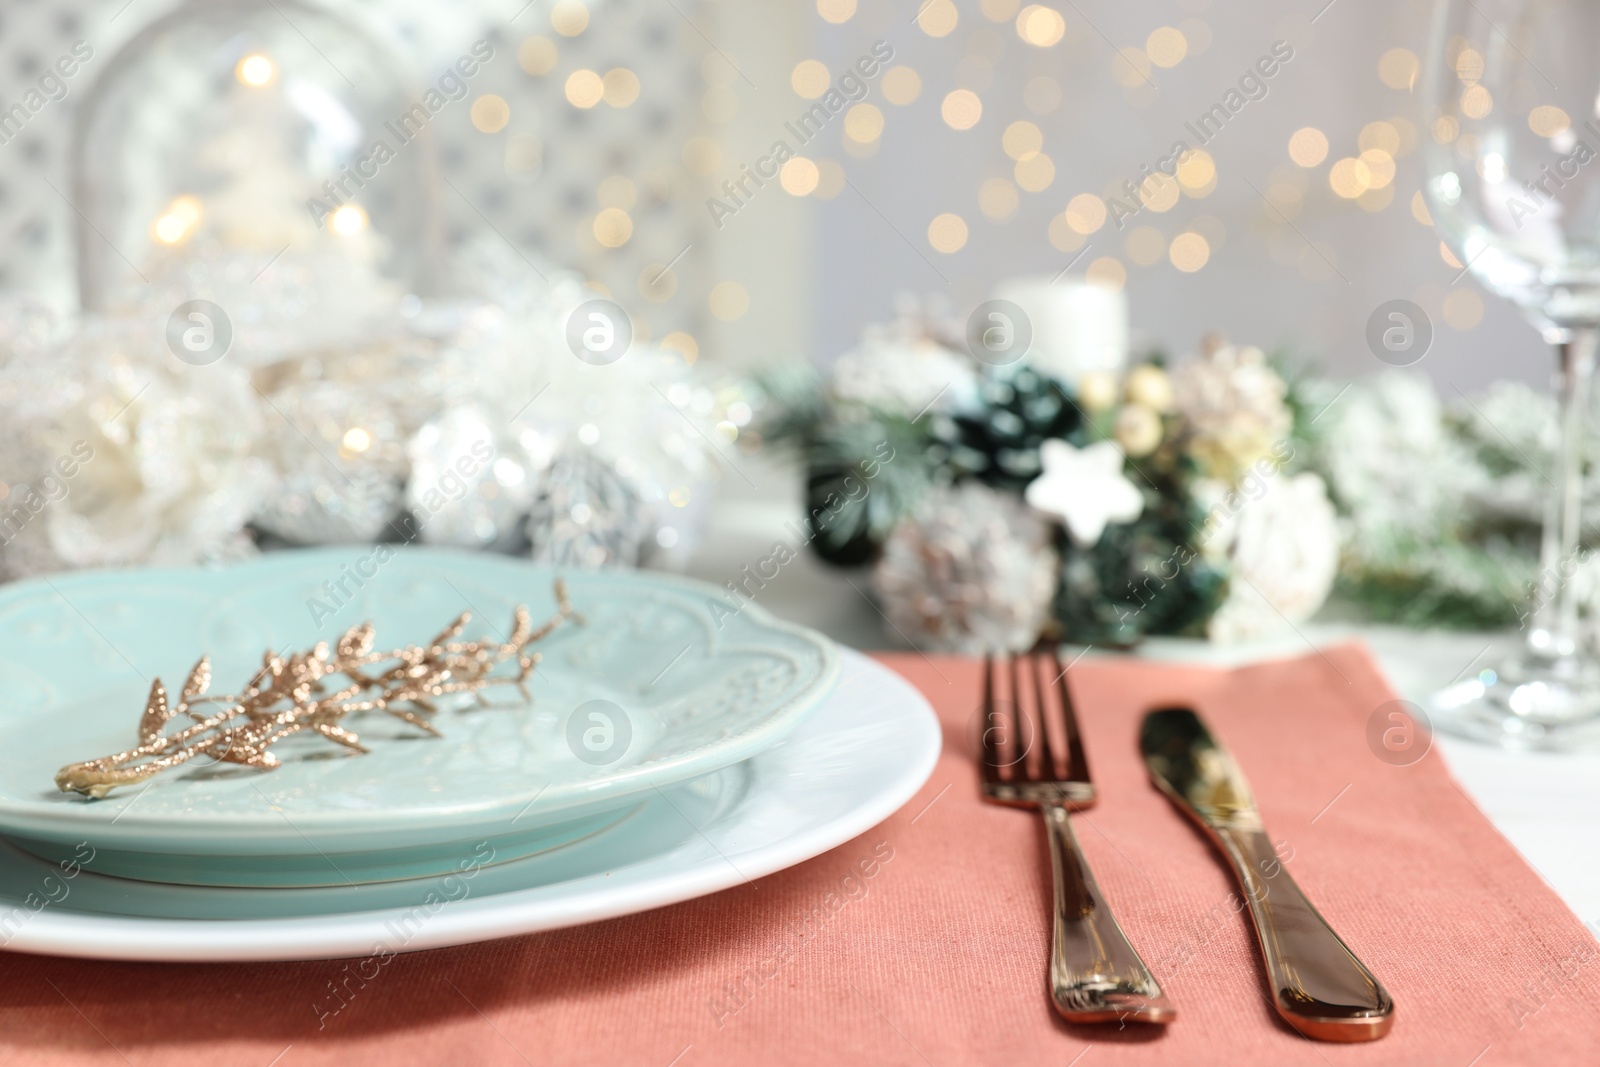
1111	593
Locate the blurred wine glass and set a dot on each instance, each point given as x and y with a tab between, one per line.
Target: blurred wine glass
1511	95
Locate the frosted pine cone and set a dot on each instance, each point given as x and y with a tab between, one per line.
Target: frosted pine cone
971	572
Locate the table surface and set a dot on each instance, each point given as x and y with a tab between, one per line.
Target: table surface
1547	805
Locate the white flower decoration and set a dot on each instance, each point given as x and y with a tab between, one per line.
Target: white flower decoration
1084	488
1285	549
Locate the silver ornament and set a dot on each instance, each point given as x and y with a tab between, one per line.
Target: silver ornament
587	514
340	461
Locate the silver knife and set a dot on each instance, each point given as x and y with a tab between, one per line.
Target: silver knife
1317	984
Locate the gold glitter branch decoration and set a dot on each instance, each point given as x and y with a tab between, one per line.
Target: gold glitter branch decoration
293	694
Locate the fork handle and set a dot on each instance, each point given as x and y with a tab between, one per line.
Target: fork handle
1095	975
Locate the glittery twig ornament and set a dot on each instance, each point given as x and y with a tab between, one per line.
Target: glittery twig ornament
293	694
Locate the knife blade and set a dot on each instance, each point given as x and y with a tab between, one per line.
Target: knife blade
1318	985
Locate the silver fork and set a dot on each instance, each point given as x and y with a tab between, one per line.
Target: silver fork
1095	975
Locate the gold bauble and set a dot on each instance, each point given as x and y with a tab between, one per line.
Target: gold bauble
1097	391
1137	430
1149	385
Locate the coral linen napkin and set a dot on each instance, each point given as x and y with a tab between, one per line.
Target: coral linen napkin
924	941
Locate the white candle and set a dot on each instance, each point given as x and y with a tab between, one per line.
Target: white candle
1077	326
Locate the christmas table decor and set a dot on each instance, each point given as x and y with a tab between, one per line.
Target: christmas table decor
1020	503
273	347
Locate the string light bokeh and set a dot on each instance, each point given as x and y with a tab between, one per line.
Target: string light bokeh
977	152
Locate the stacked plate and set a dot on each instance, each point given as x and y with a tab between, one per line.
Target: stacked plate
675	744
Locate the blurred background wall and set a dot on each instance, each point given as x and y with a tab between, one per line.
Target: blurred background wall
982	150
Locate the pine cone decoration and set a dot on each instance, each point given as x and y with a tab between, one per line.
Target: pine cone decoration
999	443
1140	578
971	572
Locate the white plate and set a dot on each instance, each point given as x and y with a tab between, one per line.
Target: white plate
862	755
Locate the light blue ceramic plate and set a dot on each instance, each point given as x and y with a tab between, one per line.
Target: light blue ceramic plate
688	686
868	748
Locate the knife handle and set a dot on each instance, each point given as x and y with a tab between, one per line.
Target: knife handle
1318	985
1095	975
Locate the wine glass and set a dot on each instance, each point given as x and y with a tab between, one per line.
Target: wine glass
1509	95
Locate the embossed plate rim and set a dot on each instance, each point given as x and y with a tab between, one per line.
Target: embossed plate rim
882	778
265	828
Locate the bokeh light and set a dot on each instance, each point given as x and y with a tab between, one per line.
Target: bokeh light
1189	252
830	179
1476	102
179	221
537	55
1546	120
798	176
1166	46
1086	213
1040	26
1107	271
1021	140
255	70
961	109
585	88
490	113
1348	178
348	220
569	17
621	87
863	123
1308	146
997	199
1130	68
1384	136
1198	173
613	227
1035	173
947	233
937	17
836	11
901	85
1380	167
1397	68
810	79
1159	192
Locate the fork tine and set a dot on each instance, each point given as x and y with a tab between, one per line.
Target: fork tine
1019	727
1046	751
991	750
1077	760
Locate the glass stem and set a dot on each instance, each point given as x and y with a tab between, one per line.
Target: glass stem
1554	631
